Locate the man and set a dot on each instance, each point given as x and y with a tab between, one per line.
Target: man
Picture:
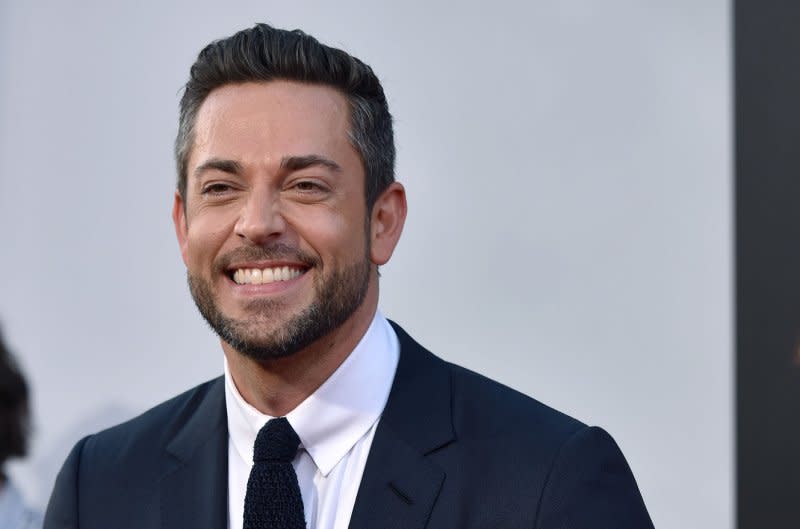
14	428
327	415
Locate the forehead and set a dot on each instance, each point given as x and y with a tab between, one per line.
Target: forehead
257	122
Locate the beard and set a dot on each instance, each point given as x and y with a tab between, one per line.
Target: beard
336	298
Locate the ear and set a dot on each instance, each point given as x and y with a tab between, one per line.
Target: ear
179	220
388	218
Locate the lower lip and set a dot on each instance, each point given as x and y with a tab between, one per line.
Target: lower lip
266	289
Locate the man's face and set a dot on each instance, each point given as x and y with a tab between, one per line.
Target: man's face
275	231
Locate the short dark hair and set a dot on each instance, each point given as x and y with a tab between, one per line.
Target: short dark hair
14	418
264	53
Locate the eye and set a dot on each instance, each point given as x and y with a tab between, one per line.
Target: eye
305	185
215	189
307	190
308	186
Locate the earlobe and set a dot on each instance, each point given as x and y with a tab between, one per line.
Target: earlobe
179	220
388	218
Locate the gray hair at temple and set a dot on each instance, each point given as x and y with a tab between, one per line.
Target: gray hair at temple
263	53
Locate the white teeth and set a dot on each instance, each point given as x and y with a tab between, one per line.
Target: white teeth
255	276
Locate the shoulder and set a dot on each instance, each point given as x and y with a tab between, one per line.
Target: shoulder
114	471
507	448
151	431
480	402
479	406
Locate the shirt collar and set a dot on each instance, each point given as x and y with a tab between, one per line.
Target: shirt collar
339	413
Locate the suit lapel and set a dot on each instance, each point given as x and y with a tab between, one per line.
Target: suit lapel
194	491
400	484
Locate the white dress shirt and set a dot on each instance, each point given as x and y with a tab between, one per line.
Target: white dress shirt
335	425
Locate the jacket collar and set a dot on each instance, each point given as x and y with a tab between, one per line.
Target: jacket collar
400	485
194	489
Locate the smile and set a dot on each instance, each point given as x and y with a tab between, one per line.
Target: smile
261	276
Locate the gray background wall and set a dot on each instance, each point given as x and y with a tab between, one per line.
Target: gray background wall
568	166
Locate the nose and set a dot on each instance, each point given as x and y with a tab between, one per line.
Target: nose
260	220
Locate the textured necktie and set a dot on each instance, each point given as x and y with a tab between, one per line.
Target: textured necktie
273	498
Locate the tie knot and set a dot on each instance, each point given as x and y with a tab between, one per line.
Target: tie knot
276	442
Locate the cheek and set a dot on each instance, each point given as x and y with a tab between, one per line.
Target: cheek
333	235
206	235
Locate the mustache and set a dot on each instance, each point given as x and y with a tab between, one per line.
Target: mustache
276	251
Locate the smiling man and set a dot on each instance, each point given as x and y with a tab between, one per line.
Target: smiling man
276	236
327	416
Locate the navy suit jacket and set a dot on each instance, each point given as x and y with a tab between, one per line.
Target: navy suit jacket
453	450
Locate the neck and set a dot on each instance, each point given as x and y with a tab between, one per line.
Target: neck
277	386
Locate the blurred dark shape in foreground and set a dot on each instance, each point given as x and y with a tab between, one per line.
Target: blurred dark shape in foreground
14	433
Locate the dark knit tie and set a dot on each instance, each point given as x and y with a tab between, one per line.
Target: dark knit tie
273	498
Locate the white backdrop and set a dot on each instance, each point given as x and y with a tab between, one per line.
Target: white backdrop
568	166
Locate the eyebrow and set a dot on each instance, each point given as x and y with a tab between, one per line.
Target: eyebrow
296	163
219	164
290	163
